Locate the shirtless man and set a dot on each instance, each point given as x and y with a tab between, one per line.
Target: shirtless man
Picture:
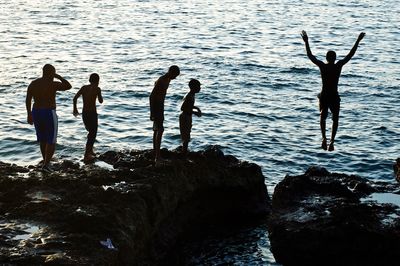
43	114
329	96
89	94
157	98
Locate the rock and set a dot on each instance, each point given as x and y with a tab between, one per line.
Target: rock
396	168
323	218
142	209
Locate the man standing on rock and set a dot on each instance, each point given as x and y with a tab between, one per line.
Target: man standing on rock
157	98
329	96
43	114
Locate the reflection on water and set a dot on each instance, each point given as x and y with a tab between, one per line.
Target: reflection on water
384	198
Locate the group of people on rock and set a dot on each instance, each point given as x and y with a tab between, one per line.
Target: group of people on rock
43	113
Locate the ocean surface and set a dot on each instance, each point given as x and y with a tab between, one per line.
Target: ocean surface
259	90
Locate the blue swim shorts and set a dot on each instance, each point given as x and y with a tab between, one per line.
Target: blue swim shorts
46	125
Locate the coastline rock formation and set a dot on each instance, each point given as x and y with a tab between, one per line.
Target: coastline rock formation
396	168
129	213
323	218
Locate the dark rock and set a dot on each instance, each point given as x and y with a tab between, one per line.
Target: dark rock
60	218
323	218
396	168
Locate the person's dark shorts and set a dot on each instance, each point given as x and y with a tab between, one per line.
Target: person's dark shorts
90	120
46	125
185	126
331	103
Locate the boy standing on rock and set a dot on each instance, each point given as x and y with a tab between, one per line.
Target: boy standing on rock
329	96
43	114
188	108
89	94
157	98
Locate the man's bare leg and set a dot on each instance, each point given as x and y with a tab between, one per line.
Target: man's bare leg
185	145
89	154
43	149
50	148
335	126
157	144
322	123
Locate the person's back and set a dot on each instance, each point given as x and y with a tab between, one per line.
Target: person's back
89	97
44	93
330	74
43	114
90	93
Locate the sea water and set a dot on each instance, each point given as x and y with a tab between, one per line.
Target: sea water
259	90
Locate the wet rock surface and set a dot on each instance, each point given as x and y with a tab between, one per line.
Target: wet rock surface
121	210
396	168
323	218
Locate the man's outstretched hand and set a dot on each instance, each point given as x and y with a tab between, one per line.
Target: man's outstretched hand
304	36
361	36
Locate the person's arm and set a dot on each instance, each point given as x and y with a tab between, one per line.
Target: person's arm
75	109
28	103
64	85
100	97
198	112
353	50
308	49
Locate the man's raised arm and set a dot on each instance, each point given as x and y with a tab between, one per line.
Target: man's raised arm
353	50
309	53
64	85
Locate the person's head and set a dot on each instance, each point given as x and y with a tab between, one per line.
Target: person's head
94	79
331	56
49	71
173	72
194	85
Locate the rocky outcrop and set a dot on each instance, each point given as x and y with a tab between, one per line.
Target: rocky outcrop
396	168
121	210
323	218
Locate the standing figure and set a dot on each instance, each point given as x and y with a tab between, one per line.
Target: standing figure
329	96
157	98
188	108
43	114
89	94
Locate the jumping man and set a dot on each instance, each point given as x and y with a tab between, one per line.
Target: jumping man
329	96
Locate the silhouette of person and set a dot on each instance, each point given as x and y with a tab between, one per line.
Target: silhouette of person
329	96
157	98
43	114
89	94
188	108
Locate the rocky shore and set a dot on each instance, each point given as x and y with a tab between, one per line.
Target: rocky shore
121	210
396	168
323	218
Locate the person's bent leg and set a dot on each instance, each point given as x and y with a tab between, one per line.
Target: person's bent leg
322	123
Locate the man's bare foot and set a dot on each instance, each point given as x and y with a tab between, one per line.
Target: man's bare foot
331	147
323	144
